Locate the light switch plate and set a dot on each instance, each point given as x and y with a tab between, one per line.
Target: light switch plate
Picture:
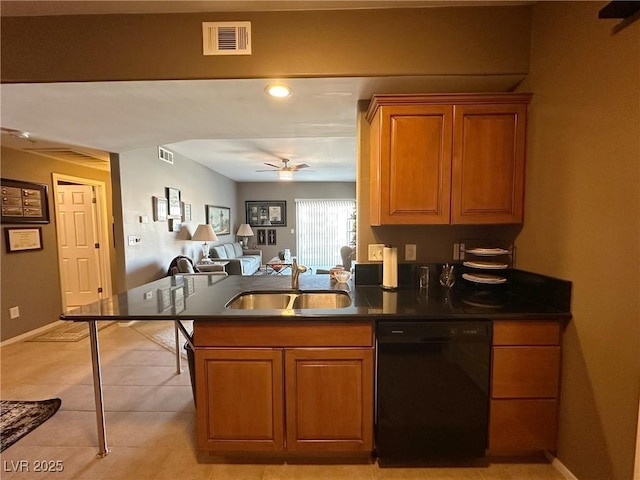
375	252
410	252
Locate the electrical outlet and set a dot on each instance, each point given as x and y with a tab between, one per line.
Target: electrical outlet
375	252
14	312
410	252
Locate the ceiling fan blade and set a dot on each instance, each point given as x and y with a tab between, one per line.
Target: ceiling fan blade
299	167
272	165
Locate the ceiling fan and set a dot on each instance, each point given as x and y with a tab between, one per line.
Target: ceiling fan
285	172
18	134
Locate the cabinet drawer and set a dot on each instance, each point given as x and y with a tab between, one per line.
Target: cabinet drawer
523	425
525	372
526	332
273	334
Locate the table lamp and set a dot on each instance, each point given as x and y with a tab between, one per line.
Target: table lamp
244	232
205	233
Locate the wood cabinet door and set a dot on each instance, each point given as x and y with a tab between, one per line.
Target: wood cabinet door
411	165
488	163
239	400
329	398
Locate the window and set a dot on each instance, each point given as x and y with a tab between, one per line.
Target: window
323	227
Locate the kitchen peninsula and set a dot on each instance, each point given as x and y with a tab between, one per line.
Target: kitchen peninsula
300	381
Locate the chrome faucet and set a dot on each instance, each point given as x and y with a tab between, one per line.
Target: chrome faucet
296	270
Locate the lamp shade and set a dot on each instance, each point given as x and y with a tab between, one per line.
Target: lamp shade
245	231
204	233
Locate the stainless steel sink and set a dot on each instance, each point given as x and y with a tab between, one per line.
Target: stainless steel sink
322	300
294	300
260	301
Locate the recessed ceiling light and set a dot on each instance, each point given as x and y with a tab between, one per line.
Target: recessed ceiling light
278	90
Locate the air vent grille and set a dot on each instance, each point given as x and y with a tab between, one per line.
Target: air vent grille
226	38
70	155
165	155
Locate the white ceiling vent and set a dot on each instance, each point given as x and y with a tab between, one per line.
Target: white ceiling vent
226	38
165	155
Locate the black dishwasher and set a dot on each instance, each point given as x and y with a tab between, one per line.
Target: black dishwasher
432	390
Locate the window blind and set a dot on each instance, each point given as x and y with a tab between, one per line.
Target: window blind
323	227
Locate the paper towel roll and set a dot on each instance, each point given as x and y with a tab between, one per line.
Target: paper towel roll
390	268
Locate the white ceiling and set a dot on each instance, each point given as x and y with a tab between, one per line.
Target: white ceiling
231	126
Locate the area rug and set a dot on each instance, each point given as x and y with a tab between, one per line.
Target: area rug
18	418
163	333
70	332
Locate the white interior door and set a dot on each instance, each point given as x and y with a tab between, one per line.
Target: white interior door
78	244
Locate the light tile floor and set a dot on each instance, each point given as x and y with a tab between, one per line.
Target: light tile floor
151	422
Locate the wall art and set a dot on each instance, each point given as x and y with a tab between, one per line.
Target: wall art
262	237
159	209
271	213
220	219
20	239
186	212
173	197
24	202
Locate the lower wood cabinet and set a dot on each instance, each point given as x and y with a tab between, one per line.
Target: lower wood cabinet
286	399
329	398
525	383
239	400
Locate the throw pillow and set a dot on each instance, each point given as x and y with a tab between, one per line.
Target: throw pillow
228	247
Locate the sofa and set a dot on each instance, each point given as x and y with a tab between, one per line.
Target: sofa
241	262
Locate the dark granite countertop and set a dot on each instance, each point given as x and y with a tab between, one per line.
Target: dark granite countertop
204	298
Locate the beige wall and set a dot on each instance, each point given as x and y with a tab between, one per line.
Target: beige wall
30	279
583	222
142	176
436	41
288	192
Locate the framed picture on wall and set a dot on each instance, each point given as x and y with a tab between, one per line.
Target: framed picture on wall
272	239
263	213
159	209
24	202
186	212
20	239
220	219
173	197
262	237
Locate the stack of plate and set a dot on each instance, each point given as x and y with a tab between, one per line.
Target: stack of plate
486	278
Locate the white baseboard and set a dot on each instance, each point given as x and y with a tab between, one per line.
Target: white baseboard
560	467
32	333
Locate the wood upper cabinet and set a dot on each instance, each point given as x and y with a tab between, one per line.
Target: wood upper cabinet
447	159
284	388
411	167
488	163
